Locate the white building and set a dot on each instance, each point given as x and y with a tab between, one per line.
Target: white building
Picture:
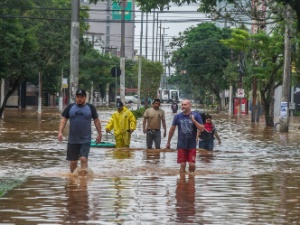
105	26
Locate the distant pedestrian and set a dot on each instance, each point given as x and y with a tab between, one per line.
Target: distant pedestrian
174	107
123	122
153	118
187	122
80	114
207	136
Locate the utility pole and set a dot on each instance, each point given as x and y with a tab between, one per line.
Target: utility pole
159	41
108	18
40	94
153	31
286	86
156	42
122	55
140	62
74	55
163	61
146	47
61	94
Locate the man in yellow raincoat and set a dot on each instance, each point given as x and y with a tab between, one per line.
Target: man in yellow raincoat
123	122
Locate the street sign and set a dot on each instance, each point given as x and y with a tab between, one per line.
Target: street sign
65	83
115	72
240	93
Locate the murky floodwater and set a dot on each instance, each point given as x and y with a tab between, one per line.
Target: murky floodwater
253	177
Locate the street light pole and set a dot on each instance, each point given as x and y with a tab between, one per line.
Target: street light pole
74	52
140	62
122	55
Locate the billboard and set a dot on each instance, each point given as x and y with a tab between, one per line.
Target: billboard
117	10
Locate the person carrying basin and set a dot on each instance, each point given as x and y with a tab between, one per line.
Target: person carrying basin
123	122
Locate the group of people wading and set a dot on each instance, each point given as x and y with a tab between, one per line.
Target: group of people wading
191	129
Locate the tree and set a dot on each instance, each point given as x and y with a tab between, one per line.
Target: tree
263	57
200	61
151	74
34	40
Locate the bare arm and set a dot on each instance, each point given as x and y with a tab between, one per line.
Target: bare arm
62	126
218	137
165	127
98	127
198	125
171	133
144	125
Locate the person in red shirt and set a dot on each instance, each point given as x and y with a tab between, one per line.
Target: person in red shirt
206	138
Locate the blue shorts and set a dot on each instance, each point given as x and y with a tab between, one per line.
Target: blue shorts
75	151
207	144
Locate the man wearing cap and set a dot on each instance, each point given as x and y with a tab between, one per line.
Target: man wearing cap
123	122
80	114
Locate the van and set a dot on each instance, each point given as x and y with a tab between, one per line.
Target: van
129	99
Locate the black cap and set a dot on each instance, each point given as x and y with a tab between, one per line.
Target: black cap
81	92
119	104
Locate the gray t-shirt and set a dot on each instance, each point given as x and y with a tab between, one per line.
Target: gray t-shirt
80	122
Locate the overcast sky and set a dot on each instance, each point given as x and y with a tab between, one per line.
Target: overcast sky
177	20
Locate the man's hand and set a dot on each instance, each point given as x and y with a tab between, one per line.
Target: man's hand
99	137
60	136
168	145
165	133
106	130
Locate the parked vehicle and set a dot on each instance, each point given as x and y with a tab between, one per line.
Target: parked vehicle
129	99
169	95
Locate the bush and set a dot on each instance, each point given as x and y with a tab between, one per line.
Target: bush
139	112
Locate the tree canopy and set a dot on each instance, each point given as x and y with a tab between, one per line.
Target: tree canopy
200	61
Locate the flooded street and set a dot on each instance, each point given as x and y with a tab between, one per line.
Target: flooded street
253	177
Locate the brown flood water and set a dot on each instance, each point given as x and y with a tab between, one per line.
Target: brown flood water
253	177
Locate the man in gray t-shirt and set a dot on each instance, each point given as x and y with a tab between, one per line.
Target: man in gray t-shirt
80	114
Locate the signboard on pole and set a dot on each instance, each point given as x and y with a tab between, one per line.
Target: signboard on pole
115	72
65	83
240	93
283	109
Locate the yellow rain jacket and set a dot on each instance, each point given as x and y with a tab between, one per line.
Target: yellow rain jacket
122	122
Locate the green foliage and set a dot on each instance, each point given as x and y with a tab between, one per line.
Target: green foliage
8	184
138	113
151	74
199	62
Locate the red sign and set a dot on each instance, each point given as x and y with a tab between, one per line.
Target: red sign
240	104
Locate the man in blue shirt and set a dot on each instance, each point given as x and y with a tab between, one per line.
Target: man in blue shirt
187	122
80	114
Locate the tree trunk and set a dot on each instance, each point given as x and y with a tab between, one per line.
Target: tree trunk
15	85
268	103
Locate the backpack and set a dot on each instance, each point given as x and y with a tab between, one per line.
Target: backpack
203	116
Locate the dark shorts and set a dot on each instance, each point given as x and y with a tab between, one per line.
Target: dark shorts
207	144
75	151
186	155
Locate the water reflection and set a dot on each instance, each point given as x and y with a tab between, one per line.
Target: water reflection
77	201
253	177
206	156
152	156
185	199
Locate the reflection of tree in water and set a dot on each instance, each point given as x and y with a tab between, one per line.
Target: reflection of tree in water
77	201
185	199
